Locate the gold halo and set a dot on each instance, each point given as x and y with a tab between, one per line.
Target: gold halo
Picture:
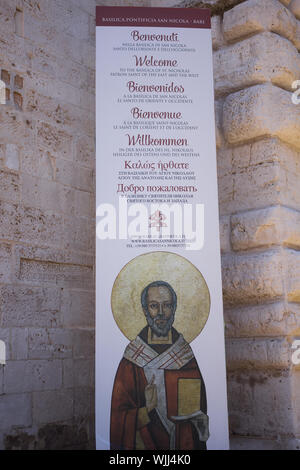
193	298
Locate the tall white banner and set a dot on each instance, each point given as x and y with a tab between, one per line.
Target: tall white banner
160	358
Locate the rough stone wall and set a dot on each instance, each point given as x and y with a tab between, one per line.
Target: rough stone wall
256	60
47	218
47	156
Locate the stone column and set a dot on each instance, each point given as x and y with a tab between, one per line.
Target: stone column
256	61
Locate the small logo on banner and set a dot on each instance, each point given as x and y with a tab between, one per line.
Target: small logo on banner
157	220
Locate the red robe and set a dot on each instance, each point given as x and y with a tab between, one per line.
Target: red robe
128	398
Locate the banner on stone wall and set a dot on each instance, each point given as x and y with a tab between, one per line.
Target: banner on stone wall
160	360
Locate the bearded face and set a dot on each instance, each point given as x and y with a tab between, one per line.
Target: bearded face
160	310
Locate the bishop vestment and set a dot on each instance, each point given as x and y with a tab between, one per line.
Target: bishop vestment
179	421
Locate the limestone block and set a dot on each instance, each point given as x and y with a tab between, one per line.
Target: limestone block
70	19
265	57
272	319
51	255
243	160
296	399
47	267
71	435
40	163
62	274
19	343
254	16
218	123
29	375
216	32
225	234
12	50
84	402
67	18
92	28
297	37
83	52
256	229
83	343
252	278
294	7
290	193
262	353
240	158
292	275
46	195
60	39
252	443
30	306
13	127
78	309
35	8
2	155
272	226
270	150
224	161
67	116
65	69
79	234
49	343
51	406
77	177
136	3
53	87
254	187
259	111
260	403
155	3
18	223
78	373
15	410
12	157
9	186
85	152
84	203
88	5
55	140
5	262
87	101
7	17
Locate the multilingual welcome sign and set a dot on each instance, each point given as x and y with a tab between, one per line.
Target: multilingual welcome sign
160	359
